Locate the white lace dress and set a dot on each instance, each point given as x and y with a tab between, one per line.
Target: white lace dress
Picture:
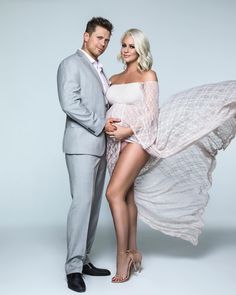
182	137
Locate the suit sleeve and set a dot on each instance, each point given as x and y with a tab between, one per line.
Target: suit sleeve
68	85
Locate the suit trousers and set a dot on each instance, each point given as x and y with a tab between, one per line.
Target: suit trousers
87	175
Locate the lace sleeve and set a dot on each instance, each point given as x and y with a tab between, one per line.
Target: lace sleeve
143	116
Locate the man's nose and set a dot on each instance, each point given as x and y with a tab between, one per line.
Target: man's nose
102	43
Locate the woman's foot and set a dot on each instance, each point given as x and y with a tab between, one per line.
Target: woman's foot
137	259
125	264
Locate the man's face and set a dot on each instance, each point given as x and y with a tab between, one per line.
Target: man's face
96	43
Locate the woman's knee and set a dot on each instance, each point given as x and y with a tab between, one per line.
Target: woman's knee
110	194
113	194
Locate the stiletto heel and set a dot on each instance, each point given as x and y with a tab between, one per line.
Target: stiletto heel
120	278
137	257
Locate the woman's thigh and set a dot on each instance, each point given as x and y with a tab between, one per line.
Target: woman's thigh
130	162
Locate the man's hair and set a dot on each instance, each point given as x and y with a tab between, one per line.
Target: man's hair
98	21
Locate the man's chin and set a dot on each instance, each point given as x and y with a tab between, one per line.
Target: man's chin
100	52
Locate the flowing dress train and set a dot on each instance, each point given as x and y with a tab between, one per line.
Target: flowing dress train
183	137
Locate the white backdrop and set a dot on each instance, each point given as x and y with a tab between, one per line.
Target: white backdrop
192	42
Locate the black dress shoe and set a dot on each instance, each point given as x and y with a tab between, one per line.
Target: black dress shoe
90	269
75	282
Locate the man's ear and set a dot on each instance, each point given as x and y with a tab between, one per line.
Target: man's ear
86	37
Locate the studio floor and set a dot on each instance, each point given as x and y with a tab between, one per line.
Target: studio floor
32	262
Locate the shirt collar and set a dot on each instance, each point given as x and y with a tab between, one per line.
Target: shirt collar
92	60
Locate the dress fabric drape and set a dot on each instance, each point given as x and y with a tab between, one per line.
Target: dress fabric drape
183	137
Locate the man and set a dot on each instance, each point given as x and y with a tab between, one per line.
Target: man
81	89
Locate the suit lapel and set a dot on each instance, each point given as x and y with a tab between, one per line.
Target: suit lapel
85	59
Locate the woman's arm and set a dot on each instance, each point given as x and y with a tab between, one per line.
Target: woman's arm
120	133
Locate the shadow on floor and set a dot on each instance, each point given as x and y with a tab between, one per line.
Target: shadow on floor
151	242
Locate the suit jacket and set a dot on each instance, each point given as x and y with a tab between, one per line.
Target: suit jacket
82	98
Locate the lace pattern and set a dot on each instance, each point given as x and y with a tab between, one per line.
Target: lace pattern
183	138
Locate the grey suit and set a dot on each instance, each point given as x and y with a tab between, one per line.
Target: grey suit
82	98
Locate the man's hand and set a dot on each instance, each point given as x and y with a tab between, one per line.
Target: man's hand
109	127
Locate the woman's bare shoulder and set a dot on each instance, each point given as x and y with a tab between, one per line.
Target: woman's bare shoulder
114	78
149	76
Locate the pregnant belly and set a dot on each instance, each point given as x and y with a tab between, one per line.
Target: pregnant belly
117	111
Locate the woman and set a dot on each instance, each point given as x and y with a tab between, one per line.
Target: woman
161	160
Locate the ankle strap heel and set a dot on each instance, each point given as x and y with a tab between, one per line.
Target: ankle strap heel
137	258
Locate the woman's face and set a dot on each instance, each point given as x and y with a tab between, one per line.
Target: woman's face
128	51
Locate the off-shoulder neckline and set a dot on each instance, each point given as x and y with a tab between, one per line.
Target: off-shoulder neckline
138	82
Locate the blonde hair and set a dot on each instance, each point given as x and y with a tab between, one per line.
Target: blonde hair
142	47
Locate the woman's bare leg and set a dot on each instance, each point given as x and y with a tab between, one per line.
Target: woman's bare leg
128	166
132	213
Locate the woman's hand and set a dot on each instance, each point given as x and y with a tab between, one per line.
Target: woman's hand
110	126
120	133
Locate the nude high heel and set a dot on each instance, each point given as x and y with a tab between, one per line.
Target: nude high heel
137	257
121	278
